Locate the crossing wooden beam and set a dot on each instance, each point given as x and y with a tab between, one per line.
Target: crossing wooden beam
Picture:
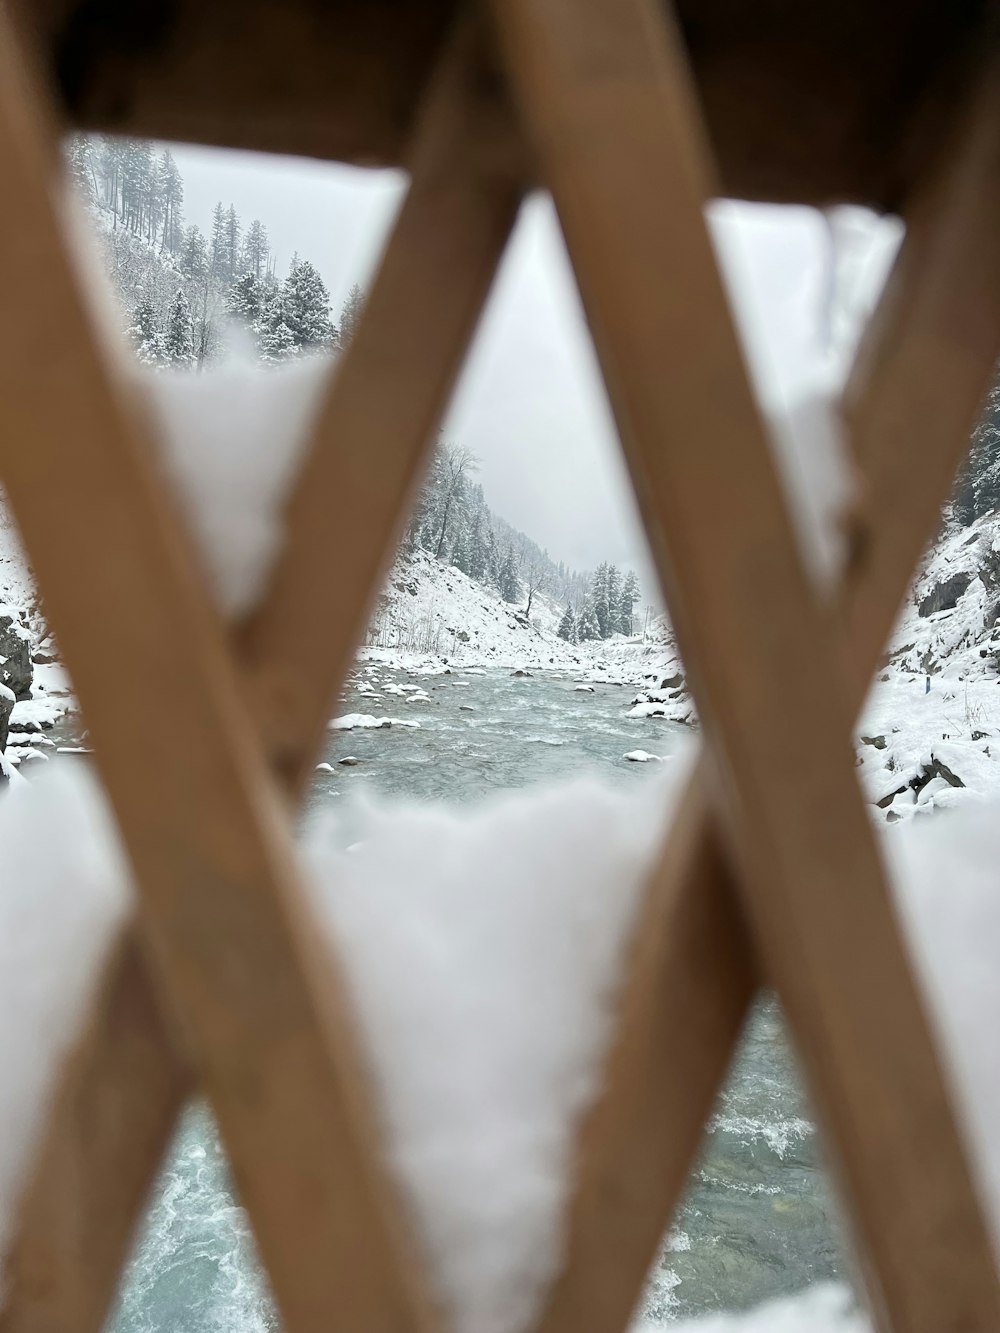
432	282
689	986
605	97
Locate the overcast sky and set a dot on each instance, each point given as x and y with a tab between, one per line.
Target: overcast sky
531	404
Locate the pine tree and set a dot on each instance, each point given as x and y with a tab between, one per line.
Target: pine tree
218	246
306	306
233	243
171	196
626	602
613	593
978	488
587	626
144	334
194	262
599	600
277	343
80	164
567	626
492	552
507	579
246	299
256	249
350	315
478	564
178	340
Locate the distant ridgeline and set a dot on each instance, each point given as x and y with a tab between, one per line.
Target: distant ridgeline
181	291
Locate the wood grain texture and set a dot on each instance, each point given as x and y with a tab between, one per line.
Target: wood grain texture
224	922
631	1167
605	95
821	103
432	282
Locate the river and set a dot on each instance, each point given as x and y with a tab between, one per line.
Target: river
758	1219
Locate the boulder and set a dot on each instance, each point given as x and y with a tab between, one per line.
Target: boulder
6	708
16	670
944	595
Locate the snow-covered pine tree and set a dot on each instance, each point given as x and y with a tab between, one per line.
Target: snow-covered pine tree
144	334
626	603
460	548
599	600
306	306
478	566
170	186
277	343
350	315
178	338
256	249
234	243
586	625
509	583
246	299
613	592
80	164
567	625
218	245
492	550
194	262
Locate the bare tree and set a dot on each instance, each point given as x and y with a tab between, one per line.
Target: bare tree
536	579
456	463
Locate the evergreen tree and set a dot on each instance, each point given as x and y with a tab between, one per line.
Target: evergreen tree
492	552
613	593
246	300
350	315
144	334
567	626
599	600
586	625
178	339
306	306
170	186
233	244
80	164
478	562
277	343
507	579
218	246
978	488
629	597
194	261
256	250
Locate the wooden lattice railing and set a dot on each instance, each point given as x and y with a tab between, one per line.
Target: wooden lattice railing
771	870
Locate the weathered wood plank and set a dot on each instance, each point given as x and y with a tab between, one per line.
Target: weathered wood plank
224	920
606	99
441	255
946	278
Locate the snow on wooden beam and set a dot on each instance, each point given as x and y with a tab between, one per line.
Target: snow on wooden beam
606	98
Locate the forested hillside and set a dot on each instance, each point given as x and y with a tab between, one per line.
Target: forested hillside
183	292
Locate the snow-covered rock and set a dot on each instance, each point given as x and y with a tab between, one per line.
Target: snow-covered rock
362	721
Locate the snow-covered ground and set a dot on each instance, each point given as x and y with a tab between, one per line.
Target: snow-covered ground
431	614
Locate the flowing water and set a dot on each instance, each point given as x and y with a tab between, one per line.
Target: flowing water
758	1219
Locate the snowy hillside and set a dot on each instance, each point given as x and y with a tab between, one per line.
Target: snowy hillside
429	608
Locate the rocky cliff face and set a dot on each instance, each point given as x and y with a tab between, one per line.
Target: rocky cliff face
16	668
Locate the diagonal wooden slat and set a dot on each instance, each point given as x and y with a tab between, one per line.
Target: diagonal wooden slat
224	920
431	284
605	97
690	983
